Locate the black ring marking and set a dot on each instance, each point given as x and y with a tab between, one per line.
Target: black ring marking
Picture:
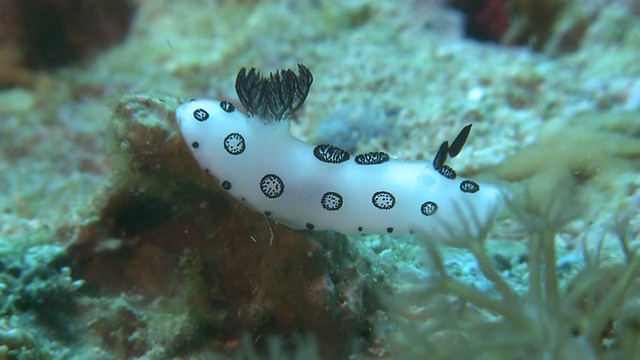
372	158
234	144
429	208
271	186
310	226
469	186
195	144
383	200
389	230
360	228
447	172
200	115
226	185
331	201
227	106
330	154
268	213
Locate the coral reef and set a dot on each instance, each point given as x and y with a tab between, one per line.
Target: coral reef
554	27
534	23
485	20
49	34
35	283
163	232
150	261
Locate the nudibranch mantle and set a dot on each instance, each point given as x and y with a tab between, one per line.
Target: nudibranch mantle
322	187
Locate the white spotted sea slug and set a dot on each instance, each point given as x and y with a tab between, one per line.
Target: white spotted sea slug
322	187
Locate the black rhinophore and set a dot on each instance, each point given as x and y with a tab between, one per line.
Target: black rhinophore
456	146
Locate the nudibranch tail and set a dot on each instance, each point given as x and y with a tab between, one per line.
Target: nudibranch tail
322	187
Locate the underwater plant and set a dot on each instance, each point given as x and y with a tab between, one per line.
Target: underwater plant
591	317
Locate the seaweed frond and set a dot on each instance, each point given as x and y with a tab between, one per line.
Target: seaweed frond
591	318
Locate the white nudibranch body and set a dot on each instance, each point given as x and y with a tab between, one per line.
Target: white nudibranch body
321	187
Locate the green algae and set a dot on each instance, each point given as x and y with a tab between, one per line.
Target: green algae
579	160
591	316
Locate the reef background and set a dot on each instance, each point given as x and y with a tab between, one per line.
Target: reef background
552	89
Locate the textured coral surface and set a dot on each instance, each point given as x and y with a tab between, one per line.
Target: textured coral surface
52	33
113	244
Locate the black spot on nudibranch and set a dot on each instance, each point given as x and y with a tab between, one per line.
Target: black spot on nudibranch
429	208
271	186
330	154
383	200
360	228
267	213
469	186
227	106
234	144
200	115
447	172
195	144
372	158
226	185
389	230
310	226
331	201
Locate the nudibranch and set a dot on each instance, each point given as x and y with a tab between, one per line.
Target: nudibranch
255	158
